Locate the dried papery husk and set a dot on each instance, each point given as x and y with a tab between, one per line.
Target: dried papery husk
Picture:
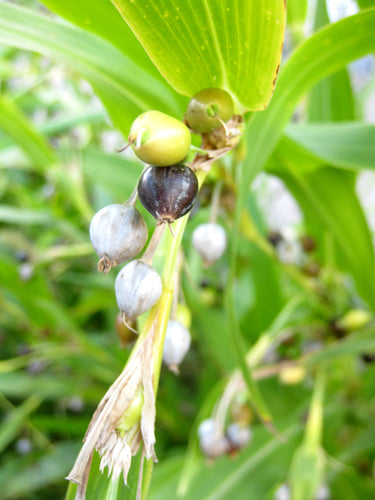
138	287
105	434
210	241
118	233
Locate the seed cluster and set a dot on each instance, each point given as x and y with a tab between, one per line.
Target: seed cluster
167	189
125	419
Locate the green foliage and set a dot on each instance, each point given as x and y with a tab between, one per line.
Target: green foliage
264	325
197	45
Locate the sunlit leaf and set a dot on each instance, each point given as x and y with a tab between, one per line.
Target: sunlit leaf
235	45
102	18
319	56
332	98
125	89
348	145
14	123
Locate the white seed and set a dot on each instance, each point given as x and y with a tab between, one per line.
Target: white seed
26	271
239	436
24	446
289	250
118	233
212	441
138	287
176	344
210	241
323	493
282	492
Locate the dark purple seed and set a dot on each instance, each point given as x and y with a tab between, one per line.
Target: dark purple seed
168	193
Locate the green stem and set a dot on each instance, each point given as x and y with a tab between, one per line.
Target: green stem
159	314
233	324
313	434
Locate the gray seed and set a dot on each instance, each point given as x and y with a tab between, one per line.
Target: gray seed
138	287
118	233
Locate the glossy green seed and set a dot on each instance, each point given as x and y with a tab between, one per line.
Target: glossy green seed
159	139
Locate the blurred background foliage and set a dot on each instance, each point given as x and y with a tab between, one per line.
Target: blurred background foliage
307	231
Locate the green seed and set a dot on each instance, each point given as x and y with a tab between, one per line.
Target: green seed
159	139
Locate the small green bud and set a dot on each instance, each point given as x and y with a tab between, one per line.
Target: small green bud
208	110
133	414
353	320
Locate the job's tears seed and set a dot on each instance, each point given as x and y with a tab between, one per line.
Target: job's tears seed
168	193
138	287
118	233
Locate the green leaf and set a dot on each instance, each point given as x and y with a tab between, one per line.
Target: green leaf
15	420
266	279
296	16
332	98
100	486
348	145
365	4
356	343
328	199
305	473
321	55
195	45
21	479
14	123
102	18
125	89
306	470
247	476
21	384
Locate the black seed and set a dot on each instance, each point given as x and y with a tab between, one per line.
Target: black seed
168	193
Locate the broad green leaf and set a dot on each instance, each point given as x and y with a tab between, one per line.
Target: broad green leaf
321	55
14	123
306	473
332	98
125	89
288	148
348	145
100	486
102	18
296	16
328	200
365	4
235	45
